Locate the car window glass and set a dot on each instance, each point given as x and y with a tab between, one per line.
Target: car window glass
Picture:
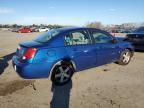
101	37
45	37
77	38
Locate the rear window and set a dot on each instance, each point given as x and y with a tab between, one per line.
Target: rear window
45	37
77	38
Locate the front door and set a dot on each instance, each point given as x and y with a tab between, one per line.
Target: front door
105	48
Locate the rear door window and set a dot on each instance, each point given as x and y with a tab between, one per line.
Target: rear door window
77	38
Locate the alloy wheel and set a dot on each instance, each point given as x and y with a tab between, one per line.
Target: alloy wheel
126	57
62	74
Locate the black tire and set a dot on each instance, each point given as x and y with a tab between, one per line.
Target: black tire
62	74
125	57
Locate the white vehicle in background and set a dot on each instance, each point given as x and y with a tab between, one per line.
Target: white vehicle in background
43	29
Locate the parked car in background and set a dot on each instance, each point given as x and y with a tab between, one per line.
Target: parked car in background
24	30
34	29
137	38
64	51
120	31
15	29
10	29
43	29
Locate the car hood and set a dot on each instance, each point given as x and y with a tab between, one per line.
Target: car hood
36	44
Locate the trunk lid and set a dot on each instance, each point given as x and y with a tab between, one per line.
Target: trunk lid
31	44
24	46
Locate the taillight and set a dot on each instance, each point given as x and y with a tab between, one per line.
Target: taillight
30	52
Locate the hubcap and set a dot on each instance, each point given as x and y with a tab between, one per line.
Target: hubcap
62	74
126	57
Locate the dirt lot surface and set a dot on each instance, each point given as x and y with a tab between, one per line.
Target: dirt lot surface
109	86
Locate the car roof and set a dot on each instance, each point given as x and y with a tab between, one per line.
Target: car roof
65	29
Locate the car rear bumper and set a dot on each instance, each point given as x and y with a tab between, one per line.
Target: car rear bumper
31	70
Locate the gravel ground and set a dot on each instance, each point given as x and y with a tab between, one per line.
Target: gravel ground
108	86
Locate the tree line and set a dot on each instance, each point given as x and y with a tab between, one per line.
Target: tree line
95	24
99	25
33	25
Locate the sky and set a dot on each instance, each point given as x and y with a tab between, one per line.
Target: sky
71	12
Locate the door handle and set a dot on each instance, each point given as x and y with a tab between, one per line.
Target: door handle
75	49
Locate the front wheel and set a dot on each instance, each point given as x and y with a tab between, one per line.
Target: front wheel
125	57
62	74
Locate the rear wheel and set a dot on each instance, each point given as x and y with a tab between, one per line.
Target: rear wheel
125	57
62	73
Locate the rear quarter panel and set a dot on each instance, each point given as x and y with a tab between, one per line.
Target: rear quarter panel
53	51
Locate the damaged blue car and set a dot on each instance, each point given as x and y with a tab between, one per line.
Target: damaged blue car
59	53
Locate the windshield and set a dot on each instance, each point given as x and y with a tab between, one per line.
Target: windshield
139	30
45	37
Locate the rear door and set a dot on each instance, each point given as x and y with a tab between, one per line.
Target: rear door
80	48
106	49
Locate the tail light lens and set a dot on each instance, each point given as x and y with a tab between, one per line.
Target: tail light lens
30	52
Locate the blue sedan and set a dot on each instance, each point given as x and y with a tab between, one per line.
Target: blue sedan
64	51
